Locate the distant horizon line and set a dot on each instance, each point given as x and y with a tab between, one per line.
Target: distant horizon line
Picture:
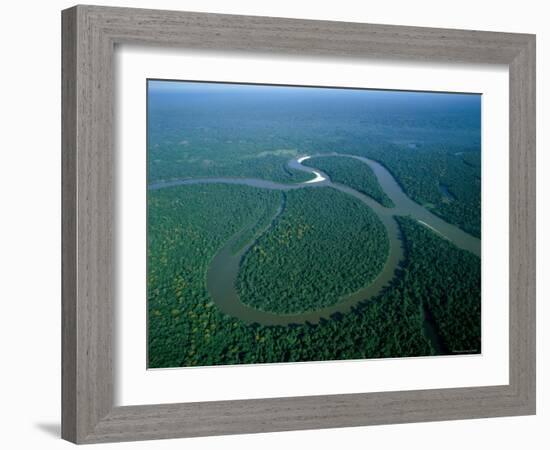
153	84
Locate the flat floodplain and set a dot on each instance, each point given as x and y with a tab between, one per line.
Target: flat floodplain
289	224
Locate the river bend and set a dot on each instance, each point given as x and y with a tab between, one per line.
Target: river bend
224	268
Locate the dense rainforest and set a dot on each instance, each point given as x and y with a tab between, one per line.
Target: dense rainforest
447	184
324	245
188	224
352	173
430	142
447	282
299	250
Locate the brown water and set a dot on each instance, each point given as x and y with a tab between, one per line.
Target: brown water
224	268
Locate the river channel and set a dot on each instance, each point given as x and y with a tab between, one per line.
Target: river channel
223	270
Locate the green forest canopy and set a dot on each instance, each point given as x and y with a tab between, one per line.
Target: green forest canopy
352	173
189	223
324	245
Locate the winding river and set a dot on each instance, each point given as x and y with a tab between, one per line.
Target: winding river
223	270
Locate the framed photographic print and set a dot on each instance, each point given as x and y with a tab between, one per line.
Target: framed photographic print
268	222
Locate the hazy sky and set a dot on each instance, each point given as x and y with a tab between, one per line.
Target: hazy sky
228	88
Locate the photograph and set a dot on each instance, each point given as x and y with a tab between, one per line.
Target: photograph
311	223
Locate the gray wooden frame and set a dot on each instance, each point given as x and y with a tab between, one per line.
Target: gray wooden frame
89	36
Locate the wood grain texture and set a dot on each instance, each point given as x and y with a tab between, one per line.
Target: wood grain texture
523	224
89	36
68	226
